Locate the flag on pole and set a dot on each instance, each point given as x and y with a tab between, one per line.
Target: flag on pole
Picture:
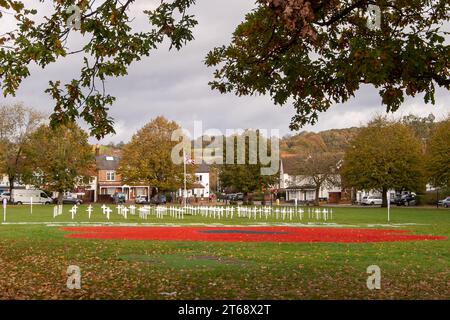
188	160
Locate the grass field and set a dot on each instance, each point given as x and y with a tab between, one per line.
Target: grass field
34	258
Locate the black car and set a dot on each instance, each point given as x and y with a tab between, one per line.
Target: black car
406	200
239	197
158	199
70	200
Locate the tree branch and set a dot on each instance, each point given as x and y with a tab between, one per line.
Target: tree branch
342	14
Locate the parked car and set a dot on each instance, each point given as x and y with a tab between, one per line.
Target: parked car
372	200
231	196
221	196
158	199
69	200
236	197
445	202
141	199
5	195
119	197
406	200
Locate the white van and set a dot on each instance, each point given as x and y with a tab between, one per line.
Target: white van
24	196
372	200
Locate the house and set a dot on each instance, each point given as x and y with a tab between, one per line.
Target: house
200	188
300	187
110	182
4	184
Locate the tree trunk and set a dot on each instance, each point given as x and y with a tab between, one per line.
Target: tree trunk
60	197
384	197
11	188
245	200
316	200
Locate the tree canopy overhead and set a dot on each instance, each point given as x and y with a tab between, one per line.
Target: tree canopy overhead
316	53
313	53
111	45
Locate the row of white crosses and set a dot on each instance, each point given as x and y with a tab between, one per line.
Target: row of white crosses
264	212
220	212
214	212
123	211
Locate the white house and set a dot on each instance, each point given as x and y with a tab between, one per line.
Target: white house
4	184
300	187
201	187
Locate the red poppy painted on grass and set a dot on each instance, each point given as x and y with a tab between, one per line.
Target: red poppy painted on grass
247	234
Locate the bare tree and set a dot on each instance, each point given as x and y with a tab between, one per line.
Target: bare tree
320	169
17	122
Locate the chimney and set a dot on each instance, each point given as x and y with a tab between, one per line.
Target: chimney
97	150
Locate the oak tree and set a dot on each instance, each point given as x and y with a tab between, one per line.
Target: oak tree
385	155
243	170
317	53
147	157
438	156
61	157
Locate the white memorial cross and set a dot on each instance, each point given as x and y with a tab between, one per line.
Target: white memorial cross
143	212
73	211
132	210
301	214
159	212
125	212
104	207
108	212
89	210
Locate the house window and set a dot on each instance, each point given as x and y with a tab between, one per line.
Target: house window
110	175
199	178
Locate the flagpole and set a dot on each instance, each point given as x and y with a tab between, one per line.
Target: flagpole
185	191
389	206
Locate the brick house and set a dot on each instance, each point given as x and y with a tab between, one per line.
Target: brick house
110	182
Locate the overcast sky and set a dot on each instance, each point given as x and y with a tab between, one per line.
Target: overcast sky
175	85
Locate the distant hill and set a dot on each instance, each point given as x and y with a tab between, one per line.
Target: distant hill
334	140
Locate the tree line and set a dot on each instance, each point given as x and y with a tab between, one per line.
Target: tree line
403	154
